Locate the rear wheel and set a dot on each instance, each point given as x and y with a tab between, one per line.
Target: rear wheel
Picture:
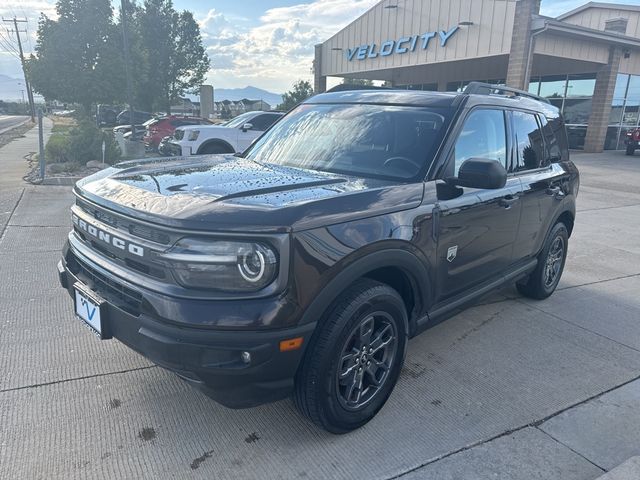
215	148
354	361
544	279
630	150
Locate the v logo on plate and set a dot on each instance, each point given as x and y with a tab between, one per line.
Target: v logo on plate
91	313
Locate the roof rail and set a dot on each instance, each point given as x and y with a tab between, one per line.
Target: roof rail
481	88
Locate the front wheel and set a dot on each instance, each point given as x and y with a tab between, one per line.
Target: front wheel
544	279
354	361
630	150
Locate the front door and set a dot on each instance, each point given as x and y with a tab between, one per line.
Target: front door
477	230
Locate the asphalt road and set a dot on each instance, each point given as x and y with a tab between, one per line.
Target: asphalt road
509	389
7	122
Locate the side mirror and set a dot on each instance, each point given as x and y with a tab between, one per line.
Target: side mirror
247	126
481	173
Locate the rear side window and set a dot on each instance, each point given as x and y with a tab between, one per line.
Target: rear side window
555	136
483	135
263	122
530	151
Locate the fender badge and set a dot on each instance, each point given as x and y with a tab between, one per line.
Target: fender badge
451	253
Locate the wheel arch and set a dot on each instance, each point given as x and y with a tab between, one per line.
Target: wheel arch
568	218
216	141
401	270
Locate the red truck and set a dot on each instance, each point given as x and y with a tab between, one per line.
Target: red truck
165	126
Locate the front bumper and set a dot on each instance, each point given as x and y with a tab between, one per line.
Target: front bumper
211	360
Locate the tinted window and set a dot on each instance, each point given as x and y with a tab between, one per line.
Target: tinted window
355	139
529	143
483	135
263	122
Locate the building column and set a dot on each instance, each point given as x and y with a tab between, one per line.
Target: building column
319	80
519	58
442	85
601	103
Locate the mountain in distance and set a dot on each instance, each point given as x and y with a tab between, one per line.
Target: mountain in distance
251	93
10	89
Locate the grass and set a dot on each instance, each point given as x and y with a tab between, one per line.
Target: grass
62	124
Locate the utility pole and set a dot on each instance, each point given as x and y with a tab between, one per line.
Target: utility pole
125	46
27	85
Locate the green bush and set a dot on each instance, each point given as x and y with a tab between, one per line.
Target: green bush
57	149
82	144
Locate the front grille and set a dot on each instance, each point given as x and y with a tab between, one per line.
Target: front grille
111	290
134	228
178	134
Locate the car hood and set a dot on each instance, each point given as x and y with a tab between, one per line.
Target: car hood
224	192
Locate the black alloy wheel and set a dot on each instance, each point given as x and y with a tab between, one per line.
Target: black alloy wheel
354	359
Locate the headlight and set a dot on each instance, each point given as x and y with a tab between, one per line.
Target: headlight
193	135
229	266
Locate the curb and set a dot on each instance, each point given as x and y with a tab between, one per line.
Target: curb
63	181
629	470
14	126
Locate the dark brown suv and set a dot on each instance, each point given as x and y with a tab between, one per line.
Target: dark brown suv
303	266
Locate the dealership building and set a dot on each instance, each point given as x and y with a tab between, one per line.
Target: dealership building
586	61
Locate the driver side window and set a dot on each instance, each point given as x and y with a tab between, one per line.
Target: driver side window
484	135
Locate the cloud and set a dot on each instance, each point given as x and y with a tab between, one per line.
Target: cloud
279	50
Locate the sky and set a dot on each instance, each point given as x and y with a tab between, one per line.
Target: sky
262	43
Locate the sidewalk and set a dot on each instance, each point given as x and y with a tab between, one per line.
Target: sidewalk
13	166
510	389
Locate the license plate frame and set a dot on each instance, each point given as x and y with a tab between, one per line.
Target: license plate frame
91	309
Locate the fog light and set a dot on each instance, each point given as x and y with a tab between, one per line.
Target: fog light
246	357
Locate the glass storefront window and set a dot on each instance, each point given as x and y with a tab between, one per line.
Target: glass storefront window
577	110
581	85
534	86
611	141
576	136
553	87
616	111
621	86
633	94
630	116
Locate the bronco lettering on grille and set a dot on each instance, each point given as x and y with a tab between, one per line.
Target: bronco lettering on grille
107	237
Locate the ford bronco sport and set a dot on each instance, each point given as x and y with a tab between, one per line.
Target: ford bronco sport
303	266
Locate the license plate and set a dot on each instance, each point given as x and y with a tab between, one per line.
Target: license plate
89	307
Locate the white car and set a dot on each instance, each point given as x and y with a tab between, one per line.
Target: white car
231	137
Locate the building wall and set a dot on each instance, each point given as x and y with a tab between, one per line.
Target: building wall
562	46
595	17
489	35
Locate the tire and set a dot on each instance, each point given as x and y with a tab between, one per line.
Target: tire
214	148
368	309
630	150
543	281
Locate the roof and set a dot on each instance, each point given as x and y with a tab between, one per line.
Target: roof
388	97
611	6
564	28
416	98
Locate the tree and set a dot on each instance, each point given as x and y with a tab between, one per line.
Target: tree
361	82
300	92
78	57
176	59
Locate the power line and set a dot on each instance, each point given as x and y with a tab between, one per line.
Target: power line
17	31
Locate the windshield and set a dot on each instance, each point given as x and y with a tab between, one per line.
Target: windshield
368	140
240	120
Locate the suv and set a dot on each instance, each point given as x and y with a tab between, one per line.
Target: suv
303	266
632	141
162	127
234	136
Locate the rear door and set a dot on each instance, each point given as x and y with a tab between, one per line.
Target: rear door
477	229
544	181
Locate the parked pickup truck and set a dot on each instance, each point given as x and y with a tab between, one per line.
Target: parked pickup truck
231	137
303	266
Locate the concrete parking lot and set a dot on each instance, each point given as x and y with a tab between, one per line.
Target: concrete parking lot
511	388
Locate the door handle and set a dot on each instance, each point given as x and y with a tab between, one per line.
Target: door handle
555	191
507	201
